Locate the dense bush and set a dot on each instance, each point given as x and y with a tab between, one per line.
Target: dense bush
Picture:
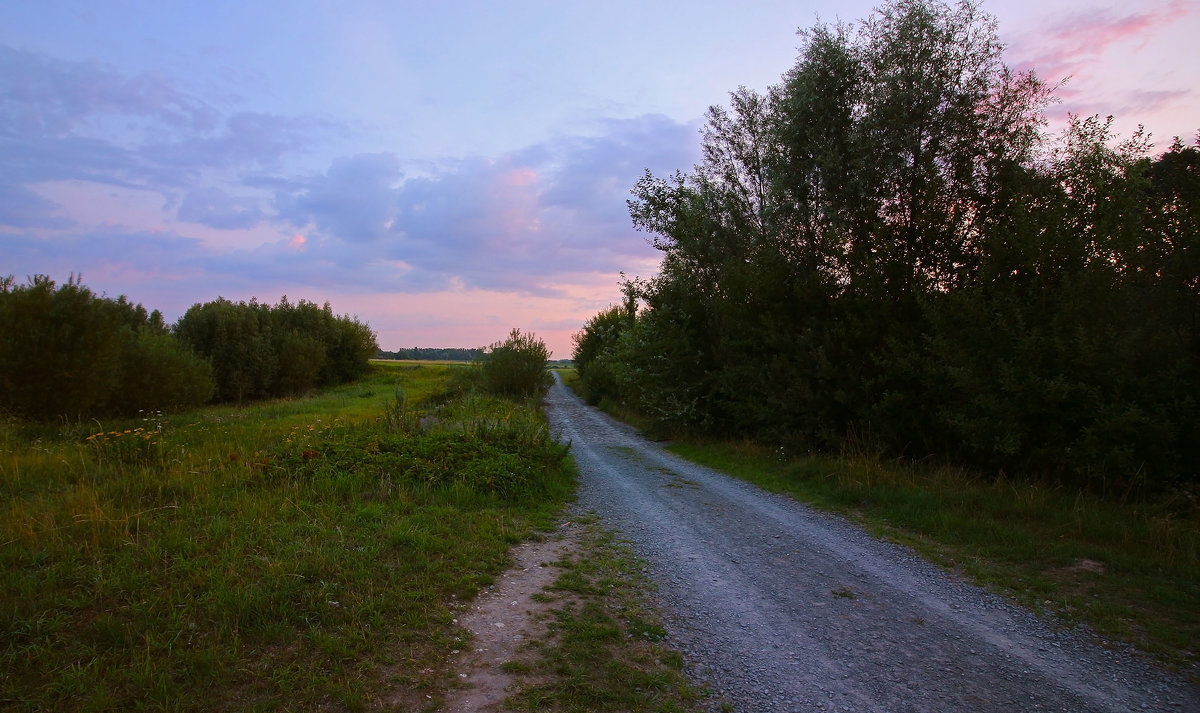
517	366
595	346
157	373
884	249
259	351
66	352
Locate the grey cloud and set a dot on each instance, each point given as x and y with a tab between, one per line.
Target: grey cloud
41	95
521	222
354	200
22	208
217	209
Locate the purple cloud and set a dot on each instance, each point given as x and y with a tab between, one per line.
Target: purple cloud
44	96
520	222
22	208
355	200
58	119
525	222
217	209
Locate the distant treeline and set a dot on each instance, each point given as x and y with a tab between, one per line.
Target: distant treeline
431	354
67	352
884	253
449	354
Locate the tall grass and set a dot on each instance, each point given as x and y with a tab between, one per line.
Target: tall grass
298	554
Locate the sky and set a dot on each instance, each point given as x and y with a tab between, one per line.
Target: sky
443	171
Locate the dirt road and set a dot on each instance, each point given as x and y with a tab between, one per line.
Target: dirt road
781	608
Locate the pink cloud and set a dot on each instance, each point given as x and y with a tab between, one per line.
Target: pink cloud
475	318
1127	61
1077	40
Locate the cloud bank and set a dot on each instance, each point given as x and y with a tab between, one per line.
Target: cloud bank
136	180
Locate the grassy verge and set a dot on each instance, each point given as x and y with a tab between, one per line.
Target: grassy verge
603	650
1129	569
572	381
297	554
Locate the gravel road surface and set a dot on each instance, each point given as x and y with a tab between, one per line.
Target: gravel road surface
782	608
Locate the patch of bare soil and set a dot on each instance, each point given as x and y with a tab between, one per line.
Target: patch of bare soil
503	618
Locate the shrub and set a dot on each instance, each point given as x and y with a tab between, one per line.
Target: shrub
594	346
517	367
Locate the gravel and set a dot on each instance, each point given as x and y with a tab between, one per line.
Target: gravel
777	607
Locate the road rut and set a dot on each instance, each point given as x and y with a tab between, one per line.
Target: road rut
782	608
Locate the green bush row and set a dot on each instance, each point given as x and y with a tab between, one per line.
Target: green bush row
67	352
260	351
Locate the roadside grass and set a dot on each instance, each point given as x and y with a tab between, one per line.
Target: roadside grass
298	554
570	377
571	380
1128	569
604	650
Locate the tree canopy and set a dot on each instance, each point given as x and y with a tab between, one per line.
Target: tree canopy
887	246
67	352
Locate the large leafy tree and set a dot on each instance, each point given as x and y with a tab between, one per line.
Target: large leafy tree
886	244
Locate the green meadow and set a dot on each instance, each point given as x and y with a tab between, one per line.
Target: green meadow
306	553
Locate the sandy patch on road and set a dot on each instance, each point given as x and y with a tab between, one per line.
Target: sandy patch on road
503	618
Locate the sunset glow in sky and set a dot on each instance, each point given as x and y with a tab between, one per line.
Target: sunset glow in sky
444	171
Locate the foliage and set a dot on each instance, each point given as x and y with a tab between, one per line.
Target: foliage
885	247
595	351
66	352
516	367
259	351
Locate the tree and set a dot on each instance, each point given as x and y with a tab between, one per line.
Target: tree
59	348
258	350
885	243
66	352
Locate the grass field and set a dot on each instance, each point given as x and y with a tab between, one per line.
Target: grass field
1129	568
302	554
